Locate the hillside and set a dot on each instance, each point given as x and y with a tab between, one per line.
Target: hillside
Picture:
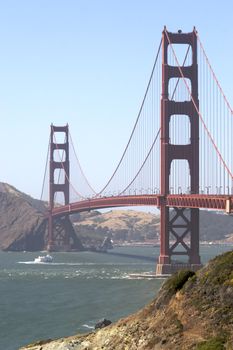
216	226
191	311
120	225
22	224
131	225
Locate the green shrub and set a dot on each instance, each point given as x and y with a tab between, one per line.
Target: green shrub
216	343
177	281
221	272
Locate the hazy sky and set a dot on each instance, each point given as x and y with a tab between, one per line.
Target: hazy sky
87	63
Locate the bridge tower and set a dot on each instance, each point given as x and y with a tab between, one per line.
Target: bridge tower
179	230
61	234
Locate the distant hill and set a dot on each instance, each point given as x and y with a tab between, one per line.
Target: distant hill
132	225
216	226
121	225
23	227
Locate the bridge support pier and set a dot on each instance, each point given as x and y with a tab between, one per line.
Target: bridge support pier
179	228
64	237
181	239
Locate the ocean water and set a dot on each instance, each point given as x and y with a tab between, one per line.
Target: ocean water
69	295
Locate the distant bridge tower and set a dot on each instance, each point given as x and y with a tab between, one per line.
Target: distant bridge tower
179	232
61	234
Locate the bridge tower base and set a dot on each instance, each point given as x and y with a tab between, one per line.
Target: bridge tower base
64	236
179	228
169	269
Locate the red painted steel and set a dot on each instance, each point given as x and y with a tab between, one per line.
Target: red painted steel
107	202
169	152
215	202
210	202
55	187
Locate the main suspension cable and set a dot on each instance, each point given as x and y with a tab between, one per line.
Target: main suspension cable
214	75
156	137
139	114
79	165
151	148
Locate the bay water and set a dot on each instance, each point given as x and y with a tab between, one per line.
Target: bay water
70	295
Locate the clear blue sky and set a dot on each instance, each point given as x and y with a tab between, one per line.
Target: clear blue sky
87	63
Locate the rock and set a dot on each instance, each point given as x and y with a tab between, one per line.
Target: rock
22	222
102	323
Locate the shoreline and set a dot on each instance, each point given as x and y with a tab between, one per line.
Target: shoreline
157	245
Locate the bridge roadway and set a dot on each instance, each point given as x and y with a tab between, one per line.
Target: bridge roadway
203	201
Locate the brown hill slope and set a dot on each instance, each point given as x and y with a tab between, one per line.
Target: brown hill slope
191	311
121	225
22	224
130	225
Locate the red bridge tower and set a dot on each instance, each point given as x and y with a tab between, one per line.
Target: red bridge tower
179	231
61	234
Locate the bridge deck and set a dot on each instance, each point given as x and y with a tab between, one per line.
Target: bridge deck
214	202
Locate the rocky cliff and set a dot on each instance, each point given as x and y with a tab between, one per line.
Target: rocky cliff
191	311
22	224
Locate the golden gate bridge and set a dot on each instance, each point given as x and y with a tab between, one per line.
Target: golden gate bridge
178	157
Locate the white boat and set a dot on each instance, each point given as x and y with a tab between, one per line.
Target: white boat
43	259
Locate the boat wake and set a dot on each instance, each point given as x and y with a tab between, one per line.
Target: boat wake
36	263
79	264
88	326
48	263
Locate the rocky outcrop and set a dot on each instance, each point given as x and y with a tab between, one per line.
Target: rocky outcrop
102	323
191	311
22	223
